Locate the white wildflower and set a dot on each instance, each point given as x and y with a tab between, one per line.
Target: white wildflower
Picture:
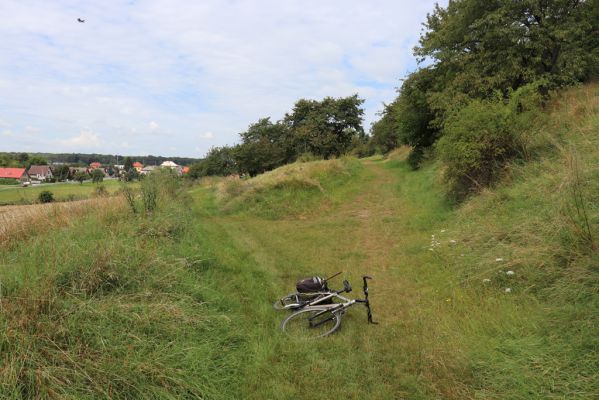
452	241
486	280
442	230
510	273
499	259
508	290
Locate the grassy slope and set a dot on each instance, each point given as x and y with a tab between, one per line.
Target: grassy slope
62	191
179	304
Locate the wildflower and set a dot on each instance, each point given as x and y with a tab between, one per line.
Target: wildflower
486	280
448	300
442	230
510	273
508	290
453	241
499	259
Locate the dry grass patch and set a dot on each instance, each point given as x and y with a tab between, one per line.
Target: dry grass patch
17	222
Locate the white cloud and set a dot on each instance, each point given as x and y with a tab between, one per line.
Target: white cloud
206	135
209	66
85	140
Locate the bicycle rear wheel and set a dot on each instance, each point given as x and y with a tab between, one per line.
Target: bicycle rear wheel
311	324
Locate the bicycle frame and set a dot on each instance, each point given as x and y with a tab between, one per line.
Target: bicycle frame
338	307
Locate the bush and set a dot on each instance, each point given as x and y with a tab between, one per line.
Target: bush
97	176
46	197
415	157
101	191
482	137
4	181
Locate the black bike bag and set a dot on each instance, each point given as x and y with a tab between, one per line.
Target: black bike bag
311	285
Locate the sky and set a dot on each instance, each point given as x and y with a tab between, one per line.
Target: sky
178	77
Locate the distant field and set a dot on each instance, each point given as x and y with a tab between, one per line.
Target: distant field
61	191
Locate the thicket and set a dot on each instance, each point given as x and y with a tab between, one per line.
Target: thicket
324	129
479	54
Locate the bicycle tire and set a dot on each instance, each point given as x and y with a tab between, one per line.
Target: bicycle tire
300	326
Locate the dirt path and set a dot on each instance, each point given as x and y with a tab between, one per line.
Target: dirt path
361	236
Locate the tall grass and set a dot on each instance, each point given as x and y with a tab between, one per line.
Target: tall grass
174	300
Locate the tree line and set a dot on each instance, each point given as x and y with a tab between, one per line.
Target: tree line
317	129
488	68
81	159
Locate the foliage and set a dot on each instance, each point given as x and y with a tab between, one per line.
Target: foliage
325	128
62	173
8	181
263	147
97	175
128	164
131	175
81	159
476	50
46	196
23	160
481	138
100	191
80	176
219	161
156	190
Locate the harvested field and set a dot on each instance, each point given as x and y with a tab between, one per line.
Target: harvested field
19	221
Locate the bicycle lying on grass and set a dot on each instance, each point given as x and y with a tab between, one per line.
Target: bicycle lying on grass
309	291
322	315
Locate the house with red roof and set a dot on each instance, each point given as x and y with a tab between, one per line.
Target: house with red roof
95	165
185	170
18	174
138	166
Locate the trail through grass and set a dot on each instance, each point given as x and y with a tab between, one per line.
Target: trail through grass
494	299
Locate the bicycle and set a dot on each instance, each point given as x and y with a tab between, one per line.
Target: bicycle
314	321
300	299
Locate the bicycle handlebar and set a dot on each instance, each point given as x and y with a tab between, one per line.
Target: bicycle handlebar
365	278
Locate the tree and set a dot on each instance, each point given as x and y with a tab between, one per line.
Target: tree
262	147
325	128
479	47
97	175
36	160
80	176
22	158
62	172
128	164
219	161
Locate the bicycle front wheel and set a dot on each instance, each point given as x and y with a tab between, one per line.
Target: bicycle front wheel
311	324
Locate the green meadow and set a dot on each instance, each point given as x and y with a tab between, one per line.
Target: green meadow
10	194
494	298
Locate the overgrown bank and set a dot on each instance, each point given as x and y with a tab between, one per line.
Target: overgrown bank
174	301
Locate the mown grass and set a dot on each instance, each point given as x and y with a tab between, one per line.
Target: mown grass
176	303
61	191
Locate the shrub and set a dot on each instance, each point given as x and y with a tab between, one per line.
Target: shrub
101	191
483	136
415	157
97	176
46	197
4	181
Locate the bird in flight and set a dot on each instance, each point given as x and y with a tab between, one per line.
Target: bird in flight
80	20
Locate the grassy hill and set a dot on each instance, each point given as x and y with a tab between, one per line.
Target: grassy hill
176	303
